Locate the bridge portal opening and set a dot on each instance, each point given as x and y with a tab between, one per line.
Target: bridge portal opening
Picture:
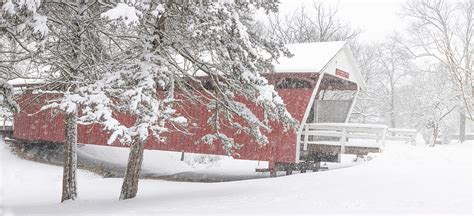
333	101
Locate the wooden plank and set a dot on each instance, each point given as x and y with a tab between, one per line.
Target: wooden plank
348	130
400	138
402	130
330	143
335	150
337	143
324	133
384	134
344	125
343	140
262	170
361	150
364	136
339	134
305	140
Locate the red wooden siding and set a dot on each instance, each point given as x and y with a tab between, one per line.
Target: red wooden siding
43	126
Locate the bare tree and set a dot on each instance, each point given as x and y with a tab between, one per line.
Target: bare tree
394	65
316	24
367	105
430	103
444	31
386	67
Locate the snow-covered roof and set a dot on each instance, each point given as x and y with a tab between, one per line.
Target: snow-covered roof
308	57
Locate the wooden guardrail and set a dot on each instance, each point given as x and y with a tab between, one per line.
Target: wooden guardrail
342	133
402	134
6	124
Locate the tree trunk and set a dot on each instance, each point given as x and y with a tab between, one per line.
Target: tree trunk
70	158
462	125
135	159
392	120
434	136
392	108
6	90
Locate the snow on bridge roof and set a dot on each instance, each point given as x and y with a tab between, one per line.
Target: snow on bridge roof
309	57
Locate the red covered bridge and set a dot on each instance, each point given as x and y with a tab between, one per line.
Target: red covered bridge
319	84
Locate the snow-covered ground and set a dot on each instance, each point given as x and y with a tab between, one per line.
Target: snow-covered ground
403	179
195	167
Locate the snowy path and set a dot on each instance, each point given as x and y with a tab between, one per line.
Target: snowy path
404	179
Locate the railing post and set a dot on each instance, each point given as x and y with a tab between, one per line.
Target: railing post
305	138
413	139
343	140
384	133
343	144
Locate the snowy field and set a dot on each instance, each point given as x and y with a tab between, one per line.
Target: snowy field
403	179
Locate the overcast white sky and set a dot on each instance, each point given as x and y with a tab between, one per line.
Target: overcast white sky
376	17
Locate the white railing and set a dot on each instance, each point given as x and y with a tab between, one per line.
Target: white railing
6	124
402	134
344	132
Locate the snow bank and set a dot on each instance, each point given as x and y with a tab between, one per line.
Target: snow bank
158	162
404	179
169	163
